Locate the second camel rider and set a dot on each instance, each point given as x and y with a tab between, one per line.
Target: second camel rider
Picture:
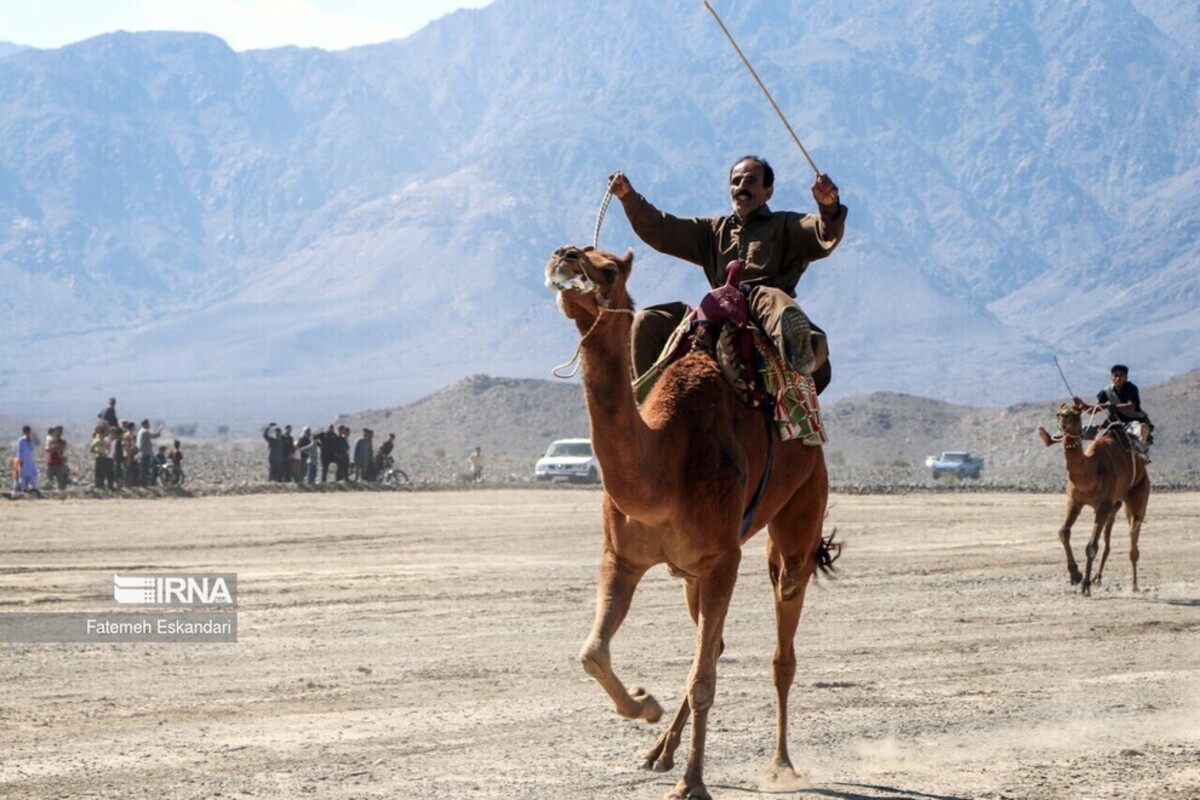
775	248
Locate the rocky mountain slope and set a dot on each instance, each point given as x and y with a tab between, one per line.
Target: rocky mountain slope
229	235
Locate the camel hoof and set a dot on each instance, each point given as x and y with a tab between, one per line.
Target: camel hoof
682	792
659	758
1086	589
651	711
1076	577
654	765
780	774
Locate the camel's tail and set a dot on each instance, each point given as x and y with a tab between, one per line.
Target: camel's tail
828	551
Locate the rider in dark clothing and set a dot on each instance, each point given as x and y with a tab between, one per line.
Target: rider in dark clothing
1124	403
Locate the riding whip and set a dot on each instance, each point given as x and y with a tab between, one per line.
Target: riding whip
1064	377
762	86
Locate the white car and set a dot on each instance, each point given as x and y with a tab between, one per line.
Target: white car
568	460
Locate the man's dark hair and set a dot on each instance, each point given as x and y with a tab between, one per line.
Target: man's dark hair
768	173
1121	368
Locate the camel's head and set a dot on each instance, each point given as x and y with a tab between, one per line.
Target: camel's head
588	280
1070	419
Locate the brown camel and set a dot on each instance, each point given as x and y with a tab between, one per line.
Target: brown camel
678	476
1108	474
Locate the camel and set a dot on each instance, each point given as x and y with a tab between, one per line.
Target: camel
678	476
1108	474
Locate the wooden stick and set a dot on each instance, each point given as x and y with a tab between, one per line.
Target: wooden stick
745	61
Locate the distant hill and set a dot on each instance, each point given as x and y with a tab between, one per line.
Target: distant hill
519	418
225	237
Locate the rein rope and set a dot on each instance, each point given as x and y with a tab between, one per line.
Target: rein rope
573	361
608	195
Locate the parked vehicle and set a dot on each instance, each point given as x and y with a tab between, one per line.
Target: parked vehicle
568	460
955	462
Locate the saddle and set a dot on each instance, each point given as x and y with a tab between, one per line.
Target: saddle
758	373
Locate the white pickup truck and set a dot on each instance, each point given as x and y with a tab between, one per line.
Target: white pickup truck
955	462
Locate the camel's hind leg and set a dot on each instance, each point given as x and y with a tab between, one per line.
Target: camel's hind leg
1135	513
1064	536
1107	543
792	545
614	593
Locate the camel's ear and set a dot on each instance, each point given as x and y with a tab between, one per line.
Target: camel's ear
625	263
614	266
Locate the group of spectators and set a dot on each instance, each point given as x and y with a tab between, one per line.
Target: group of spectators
295	459
123	455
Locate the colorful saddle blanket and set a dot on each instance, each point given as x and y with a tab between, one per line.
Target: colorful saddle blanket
766	380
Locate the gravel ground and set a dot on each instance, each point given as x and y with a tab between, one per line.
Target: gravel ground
423	645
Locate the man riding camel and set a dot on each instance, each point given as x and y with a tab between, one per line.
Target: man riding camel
774	247
1123	402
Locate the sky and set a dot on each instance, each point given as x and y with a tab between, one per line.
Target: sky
243	24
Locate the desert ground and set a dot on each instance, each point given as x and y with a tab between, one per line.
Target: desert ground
422	644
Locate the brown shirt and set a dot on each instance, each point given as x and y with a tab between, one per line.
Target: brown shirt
779	246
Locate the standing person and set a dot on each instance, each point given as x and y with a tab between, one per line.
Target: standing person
300	454
175	454
99	451
774	247
145	450
113	458
287	448
327	441
109	414
1123	402
274	451
475	460
362	456
314	452
341	445
123	453
56	458
27	468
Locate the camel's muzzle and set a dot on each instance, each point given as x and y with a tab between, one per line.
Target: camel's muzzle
567	270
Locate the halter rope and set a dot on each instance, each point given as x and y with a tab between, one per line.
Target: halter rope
573	362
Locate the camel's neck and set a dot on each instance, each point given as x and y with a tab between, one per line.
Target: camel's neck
620	437
1077	462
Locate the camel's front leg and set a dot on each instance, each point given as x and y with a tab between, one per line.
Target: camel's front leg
715	590
1064	536
618	580
1104	515
661	757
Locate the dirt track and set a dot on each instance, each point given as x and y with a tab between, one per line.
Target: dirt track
422	645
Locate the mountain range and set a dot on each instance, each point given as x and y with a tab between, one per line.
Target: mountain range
227	236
